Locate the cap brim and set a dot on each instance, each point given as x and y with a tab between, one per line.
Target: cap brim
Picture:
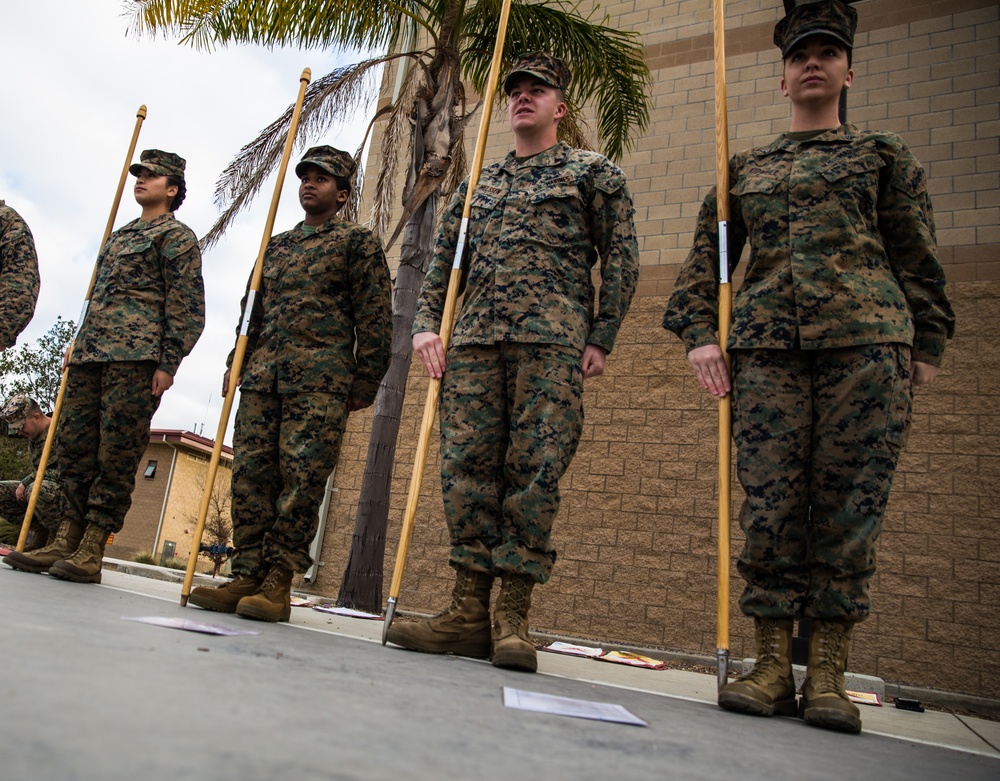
303	164
799	38
136	168
512	76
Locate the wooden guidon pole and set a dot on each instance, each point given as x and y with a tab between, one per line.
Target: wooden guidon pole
434	388
50	435
725	317
241	342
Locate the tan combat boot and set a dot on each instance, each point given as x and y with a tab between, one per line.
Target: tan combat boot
224	598
463	628
769	688
84	566
824	697
273	600
512	648
62	547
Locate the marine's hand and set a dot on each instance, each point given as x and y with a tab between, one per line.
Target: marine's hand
65	361
593	361
924	373
225	382
20	494
428	346
710	369
161	382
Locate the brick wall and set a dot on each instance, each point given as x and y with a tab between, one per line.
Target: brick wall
635	533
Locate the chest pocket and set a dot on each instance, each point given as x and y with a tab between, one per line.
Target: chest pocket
758	197
136	268
854	178
556	207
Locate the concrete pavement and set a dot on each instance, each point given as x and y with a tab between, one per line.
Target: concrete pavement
91	696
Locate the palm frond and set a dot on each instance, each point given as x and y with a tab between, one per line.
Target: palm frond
608	67
335	96
393	140
329	24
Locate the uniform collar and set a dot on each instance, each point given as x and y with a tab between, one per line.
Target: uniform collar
554	155
331	223
138	224
846	133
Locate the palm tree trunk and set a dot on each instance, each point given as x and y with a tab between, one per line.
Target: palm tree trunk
361	587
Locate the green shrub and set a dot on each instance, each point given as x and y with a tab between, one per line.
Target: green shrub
145	557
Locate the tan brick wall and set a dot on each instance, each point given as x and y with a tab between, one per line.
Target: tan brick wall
635	534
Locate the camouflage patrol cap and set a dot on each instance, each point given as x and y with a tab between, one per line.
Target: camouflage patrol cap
333	161
541	65
827	17
15	411
160	163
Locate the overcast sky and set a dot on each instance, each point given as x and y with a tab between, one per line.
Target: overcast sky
72	83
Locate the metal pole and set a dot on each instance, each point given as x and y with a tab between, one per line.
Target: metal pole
434	387
725	316
43	463
241	342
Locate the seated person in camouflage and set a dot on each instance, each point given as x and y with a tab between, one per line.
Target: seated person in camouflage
25	418
19	281
146	312
526	338
318	343
841	313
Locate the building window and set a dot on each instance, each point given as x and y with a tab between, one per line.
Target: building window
150	470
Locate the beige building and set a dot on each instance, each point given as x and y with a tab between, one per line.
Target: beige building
168	490
636	534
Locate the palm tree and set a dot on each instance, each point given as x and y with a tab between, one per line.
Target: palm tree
453	45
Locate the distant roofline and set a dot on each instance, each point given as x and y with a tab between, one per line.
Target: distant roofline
188	439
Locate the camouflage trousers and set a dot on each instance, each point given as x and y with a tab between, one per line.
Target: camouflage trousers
511	420
818	435
50	509
101	436
285	447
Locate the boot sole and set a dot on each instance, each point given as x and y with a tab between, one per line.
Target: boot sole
65	573
256	614
24	566
470	650
831	719
516	660
738	703
215	607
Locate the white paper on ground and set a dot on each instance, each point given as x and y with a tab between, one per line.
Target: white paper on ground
560	647
349	612
568	706
190	626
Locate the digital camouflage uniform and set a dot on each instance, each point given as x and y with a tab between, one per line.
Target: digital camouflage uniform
842	290
146	312
511	398
52	505
319	335
19	280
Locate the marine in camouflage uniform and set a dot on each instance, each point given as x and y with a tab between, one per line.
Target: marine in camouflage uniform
318	343
842	310
146	312
526	337
19	280
25	418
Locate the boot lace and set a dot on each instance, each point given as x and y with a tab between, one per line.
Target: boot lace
827	674
518	593
768	667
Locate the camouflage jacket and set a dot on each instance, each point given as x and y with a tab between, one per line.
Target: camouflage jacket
322	295
536	230
19	280
148	302
842	250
